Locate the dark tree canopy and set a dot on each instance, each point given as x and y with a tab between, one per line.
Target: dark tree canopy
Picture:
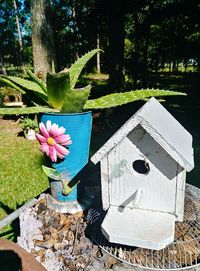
137	37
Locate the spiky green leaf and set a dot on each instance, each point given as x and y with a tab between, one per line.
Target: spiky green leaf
117	99
28	85
57	87
77	67
37	80
11	84
75	100
25	110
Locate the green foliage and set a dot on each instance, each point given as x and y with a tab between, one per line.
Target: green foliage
117	99
7	81
28	123
58	86
24	85
61	95
25	110
77	67
37	80
59	92
75	100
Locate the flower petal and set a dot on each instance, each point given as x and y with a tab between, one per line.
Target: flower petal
52	153
64	140
61	131
62	150
60	155
45	148
41	138
48	125
43	130
58	132
54	127
54	130
66	143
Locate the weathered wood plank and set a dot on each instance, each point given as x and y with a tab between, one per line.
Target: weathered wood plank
141	228
166	130
180	193
158	186
115	139
104	184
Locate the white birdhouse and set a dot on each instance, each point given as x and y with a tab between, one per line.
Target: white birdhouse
143	172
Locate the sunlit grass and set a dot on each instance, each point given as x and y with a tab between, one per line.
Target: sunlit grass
21	177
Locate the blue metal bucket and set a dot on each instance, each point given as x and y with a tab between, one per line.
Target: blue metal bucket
78	126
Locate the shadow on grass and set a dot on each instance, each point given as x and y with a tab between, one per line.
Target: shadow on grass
15	231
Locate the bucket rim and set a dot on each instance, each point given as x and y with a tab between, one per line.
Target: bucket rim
66	114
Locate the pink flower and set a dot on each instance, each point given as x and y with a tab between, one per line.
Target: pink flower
53	140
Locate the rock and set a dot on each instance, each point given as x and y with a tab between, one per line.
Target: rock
45	244
29	227
96	266
70	265
52	231
59	246
78	214
38	237
51	261
110	262
70	236
64	220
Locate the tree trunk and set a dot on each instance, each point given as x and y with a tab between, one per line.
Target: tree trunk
116	44
135	70
98	55
174	65
19	36
42	38
145	56
2	68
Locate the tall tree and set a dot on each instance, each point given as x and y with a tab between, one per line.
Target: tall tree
42	37
19	34
9	45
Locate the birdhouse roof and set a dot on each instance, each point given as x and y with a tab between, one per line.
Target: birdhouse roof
163	127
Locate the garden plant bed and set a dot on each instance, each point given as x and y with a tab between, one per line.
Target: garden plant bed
66	242
59	241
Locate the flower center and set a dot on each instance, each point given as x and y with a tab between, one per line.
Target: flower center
51	141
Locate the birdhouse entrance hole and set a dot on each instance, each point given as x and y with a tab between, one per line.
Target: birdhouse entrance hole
141	166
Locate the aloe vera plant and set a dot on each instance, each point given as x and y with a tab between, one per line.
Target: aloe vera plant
60	95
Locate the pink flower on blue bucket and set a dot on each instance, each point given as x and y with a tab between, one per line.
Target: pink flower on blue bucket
53	140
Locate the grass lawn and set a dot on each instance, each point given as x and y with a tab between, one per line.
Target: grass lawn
21	176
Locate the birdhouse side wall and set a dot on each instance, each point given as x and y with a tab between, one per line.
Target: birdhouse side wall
159	189
105	183
180	193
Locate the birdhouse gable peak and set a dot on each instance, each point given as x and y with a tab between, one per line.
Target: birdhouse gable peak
162	126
